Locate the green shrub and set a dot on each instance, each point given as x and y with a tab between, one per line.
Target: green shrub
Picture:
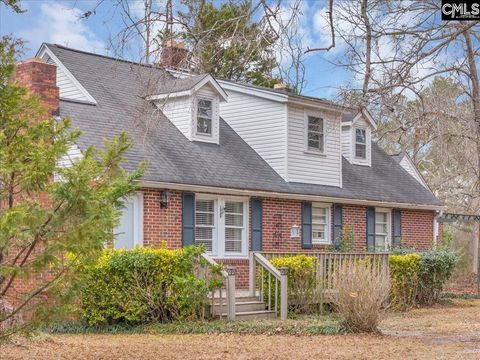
144	285
436	268
404	273
301	281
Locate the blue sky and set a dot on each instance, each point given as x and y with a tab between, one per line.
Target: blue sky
57	21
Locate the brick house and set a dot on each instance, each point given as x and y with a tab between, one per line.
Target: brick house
237	167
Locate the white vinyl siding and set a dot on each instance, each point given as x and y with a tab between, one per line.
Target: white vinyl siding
412	170
346	142
382	230
310	167
320	224
69	88
261	123
179	112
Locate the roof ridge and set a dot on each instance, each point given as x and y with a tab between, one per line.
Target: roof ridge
106	56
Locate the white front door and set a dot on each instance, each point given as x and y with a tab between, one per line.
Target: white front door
221	224
129	232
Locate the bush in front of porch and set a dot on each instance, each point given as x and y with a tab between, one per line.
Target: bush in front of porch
145	285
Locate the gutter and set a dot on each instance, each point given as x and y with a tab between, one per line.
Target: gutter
288	196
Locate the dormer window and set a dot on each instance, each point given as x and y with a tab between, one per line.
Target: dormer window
315	134
204	117
360	143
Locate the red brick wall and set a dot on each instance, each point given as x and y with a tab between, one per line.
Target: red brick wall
417	229
355	220
162	225
279	215
41	79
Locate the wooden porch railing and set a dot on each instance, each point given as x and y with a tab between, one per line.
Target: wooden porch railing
225	294
268	290
328	262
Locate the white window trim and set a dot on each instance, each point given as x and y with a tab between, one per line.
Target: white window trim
355	143
328	215
218	246
137	200
307	150
387	211
213	137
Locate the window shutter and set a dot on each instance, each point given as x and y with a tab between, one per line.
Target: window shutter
337	224
257	224
397	227
188	219
371	229
307	225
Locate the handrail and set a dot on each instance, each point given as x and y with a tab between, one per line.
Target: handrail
268	265
212	262
229	277
279	277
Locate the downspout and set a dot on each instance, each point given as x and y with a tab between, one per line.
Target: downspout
435	227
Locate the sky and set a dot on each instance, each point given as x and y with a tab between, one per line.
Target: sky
60	22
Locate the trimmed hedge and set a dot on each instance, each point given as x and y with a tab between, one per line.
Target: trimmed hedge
144	285
301	281
404	270
418	278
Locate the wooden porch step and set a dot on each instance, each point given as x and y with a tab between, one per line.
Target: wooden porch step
253	315
240	306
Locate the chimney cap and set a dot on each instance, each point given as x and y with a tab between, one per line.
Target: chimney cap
34	59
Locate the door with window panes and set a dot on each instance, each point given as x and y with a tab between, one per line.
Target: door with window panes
221	225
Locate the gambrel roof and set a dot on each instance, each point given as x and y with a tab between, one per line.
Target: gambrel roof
119	89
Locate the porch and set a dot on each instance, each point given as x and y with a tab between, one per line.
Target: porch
268	291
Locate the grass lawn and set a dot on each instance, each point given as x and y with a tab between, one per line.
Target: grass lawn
441	332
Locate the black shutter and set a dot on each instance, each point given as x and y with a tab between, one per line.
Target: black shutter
337	225
370	229
257	224
188	219
397	227
307	225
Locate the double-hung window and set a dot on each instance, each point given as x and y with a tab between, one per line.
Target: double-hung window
315	134
205	228
221	225
204	116
320	224
360	143
382	230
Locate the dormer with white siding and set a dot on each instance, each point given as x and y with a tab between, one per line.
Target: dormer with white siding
299	137
357	138
192	105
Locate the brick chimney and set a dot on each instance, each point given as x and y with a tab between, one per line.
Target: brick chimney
174	55
40	78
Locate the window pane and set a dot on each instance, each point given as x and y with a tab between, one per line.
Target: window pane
360	136
234	207
380	241
204	126
381	217
360	151
204	205
233	239
204	219
380	228
204	235
318	232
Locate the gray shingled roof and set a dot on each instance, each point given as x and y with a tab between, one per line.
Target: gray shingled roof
119	89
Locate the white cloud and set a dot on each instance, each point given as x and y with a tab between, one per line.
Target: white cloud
60	24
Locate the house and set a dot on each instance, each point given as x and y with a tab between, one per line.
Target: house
237	167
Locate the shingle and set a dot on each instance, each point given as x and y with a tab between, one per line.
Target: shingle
119	88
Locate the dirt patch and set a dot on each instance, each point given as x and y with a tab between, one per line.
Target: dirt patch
451	332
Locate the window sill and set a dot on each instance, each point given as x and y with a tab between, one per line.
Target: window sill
313	152
321	243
